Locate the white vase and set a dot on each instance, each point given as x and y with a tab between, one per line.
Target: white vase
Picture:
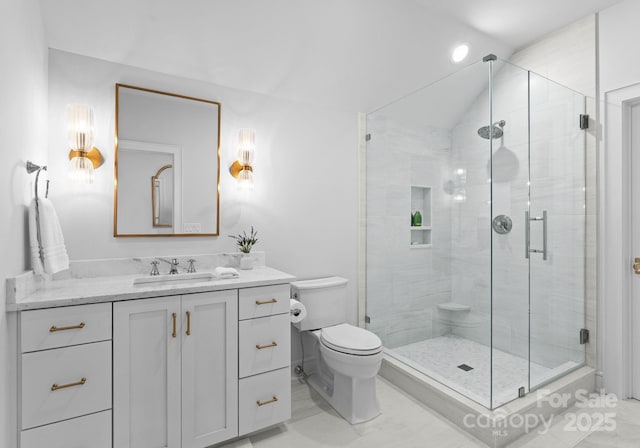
246	262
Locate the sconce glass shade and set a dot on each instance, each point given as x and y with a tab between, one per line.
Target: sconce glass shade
246	146
81	170
80	127
245	180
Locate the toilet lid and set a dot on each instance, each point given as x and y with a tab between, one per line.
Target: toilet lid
346	338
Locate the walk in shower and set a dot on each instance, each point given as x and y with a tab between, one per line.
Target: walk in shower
475	248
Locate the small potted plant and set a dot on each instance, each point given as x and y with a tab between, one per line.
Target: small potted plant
245	244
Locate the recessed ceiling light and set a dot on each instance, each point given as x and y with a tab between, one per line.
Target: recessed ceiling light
459	53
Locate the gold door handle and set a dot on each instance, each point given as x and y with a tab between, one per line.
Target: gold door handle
80	326
636	266
188	323
265	302
262	403
273	344
173	316
55	387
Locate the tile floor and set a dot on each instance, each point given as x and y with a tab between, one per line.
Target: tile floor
406	423
440	357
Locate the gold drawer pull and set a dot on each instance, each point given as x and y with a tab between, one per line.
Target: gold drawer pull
55	387
188	323
173	317
262	403
260	347
80	326
265	302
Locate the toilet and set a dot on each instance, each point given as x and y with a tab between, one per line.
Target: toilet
348	358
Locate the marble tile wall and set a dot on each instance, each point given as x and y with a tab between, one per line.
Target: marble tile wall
555	166
405	284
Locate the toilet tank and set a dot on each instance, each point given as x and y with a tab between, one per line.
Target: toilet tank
325	300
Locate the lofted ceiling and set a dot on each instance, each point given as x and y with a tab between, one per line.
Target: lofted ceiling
517	22
351	54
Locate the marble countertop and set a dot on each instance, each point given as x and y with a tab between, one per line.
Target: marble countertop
77	291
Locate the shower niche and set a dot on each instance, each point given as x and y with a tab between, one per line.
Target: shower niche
421	230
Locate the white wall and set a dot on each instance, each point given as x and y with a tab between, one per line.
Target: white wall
23	117
619	35
305	201
619	70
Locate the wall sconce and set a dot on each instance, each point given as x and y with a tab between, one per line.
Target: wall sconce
84	157
242	168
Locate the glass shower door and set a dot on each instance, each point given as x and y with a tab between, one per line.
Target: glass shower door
557	230
510	269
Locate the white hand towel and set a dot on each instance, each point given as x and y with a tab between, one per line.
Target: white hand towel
49	255
221	272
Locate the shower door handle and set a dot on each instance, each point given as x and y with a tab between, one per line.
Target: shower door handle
527	220
527	234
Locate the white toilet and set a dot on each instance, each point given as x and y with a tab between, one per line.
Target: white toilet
347	358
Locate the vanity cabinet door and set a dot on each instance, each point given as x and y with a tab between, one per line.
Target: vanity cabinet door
209	368
146	373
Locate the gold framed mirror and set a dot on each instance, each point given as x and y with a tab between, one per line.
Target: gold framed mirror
174	140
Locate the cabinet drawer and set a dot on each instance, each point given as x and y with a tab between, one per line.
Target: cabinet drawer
264	400
61	327
263	301
90	431
45	399
264	344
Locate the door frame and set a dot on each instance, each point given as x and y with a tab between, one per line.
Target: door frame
615	313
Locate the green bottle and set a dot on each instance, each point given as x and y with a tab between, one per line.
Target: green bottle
417	218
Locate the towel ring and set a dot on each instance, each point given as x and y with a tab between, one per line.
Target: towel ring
31	168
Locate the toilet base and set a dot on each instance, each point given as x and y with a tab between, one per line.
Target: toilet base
354	399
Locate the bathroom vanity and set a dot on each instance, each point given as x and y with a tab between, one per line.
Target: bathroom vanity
106	363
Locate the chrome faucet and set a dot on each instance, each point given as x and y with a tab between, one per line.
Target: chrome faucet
174	265
192	267
154	269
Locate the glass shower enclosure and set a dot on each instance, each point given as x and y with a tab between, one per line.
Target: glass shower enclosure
475	248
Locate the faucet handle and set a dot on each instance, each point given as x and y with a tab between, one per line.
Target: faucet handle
154	269
192	268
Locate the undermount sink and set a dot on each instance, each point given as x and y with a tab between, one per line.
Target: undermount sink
151	279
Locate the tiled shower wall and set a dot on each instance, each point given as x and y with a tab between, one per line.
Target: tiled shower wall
405	284
552	290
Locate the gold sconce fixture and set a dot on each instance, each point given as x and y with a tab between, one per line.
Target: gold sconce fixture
242	168
85	158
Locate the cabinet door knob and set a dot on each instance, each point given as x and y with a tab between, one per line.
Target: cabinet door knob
636	266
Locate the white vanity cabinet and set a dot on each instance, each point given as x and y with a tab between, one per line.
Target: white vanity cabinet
65	377
175	370
127	369
265	357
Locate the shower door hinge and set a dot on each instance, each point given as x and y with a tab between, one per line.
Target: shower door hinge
584	121
584	336
521	392
367	137
367	319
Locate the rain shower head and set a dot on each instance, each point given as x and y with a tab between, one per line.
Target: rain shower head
498	132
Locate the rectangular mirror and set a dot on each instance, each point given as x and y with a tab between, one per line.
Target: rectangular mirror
167	164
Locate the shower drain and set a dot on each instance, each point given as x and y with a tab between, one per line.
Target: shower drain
465	367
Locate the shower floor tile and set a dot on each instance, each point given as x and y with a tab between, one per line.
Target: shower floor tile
441	358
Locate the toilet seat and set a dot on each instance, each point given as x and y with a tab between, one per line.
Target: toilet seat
345	338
